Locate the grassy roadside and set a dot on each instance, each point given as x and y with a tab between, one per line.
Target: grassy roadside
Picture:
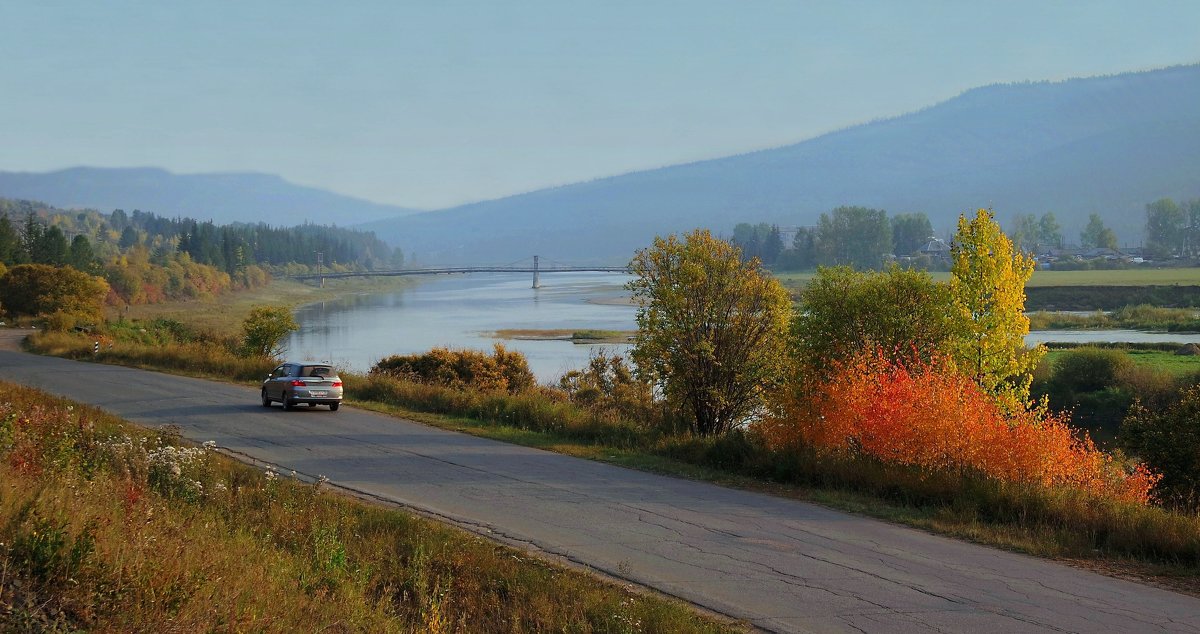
1143	543
895	495
108	526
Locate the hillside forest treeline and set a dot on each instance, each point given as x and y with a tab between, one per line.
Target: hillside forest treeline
866	238
145	258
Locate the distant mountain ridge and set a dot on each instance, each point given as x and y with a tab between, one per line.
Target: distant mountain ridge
223	198
1104	144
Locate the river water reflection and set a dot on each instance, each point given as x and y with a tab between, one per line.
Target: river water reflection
461	311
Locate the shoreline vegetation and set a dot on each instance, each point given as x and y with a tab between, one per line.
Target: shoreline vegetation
1141	317
224	315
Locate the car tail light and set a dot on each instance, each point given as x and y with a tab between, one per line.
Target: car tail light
297	383
337	384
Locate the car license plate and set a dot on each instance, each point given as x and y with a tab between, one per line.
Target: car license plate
316	392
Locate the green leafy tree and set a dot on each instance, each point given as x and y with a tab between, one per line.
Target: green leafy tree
1031	234
910	232
987	287
903	313
1168	441
1049	231
40	290
1165	228
264	331
854	236
711	329
1096	235
1024	233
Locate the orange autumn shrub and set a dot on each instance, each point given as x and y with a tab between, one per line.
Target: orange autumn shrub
929	416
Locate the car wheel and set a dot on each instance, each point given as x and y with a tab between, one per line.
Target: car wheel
265	400
334	406
287	405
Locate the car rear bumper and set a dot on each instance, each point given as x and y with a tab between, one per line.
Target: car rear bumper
305	396
305	400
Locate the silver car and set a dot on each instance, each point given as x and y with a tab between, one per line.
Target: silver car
310	383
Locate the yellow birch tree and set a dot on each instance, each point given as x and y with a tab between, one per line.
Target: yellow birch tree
987	287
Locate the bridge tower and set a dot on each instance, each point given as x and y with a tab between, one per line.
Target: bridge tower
537	281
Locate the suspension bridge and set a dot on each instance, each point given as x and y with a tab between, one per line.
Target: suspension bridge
519	266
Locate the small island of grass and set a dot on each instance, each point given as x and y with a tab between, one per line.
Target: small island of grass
575	336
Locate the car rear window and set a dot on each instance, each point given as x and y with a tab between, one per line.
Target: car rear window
316	370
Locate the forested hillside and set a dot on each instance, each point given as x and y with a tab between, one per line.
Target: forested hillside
1102	145
146	258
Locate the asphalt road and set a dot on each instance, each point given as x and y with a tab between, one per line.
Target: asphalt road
780	564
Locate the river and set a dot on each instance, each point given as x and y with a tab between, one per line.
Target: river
462	311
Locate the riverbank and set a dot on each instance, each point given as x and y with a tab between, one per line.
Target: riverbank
224	315
1129	317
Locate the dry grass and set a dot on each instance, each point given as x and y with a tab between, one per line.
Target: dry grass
1039	521
107	527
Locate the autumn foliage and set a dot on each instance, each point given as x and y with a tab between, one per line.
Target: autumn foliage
929	416
502	371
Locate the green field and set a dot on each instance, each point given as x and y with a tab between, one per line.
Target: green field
1124	277
1177	364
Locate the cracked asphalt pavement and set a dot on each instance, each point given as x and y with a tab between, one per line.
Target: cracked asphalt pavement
780	564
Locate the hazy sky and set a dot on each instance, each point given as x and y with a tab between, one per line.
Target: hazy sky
433	103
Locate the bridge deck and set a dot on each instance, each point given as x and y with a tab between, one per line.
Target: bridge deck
465	269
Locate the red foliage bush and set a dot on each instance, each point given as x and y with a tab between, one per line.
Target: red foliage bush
930	416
